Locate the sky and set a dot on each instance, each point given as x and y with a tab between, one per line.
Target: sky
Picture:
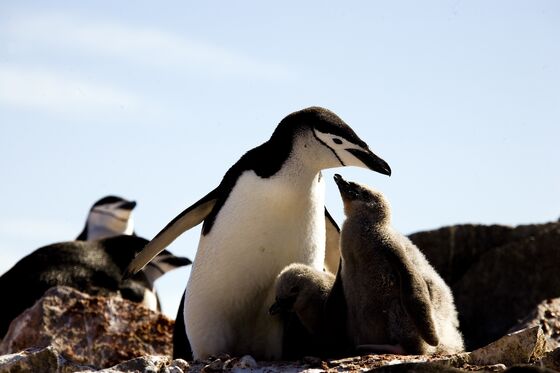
154	101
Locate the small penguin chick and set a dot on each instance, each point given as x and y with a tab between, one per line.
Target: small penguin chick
303	290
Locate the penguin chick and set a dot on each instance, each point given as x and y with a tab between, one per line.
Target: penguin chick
110	216
301	300
395	300
303	290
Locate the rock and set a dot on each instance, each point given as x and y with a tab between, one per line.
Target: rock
551	360
453	250
417	368
525	368
45	359
180	364
498	274
521	347
91	330
505	284
145	364
246	361
547	316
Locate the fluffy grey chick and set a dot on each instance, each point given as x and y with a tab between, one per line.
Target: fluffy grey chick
303	290
396	302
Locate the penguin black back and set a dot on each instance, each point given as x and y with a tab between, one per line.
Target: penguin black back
94	267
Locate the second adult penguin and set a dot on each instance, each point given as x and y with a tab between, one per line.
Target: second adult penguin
267	213
108	217
112	216
396	302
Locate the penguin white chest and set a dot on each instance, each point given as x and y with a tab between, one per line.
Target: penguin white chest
264	225
267	223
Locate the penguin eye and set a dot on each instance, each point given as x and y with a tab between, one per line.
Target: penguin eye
336	140
294	289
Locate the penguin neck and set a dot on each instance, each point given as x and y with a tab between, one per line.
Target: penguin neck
301	169
298	175
98	231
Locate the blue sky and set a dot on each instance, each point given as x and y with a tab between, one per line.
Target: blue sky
154	101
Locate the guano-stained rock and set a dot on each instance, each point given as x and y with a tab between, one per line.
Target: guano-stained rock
521	347
547	316
97	331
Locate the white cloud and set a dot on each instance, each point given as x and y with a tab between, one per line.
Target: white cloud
32	88
138	45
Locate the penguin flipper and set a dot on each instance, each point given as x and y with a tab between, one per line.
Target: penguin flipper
189	218
332	249
420	309
415	297
163	263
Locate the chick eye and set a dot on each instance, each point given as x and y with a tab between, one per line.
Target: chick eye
336	140
294	289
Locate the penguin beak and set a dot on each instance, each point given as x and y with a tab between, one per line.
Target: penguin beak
346	189
275	309
282	305
128	205
372	161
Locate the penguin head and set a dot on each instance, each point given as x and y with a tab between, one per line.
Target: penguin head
296	286
331	141
110	216
358	198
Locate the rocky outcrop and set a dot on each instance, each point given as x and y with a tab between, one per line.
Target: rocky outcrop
90	330
498	274
453	250
547	316
46	359
521	348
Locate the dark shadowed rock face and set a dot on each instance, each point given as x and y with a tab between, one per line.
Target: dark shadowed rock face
90	330
498	274
453	250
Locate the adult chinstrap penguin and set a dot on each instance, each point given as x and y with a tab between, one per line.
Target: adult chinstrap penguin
396	302
94	267
110	216
267	213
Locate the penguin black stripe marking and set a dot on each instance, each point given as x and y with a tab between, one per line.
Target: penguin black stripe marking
339	142
267	212
113	215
